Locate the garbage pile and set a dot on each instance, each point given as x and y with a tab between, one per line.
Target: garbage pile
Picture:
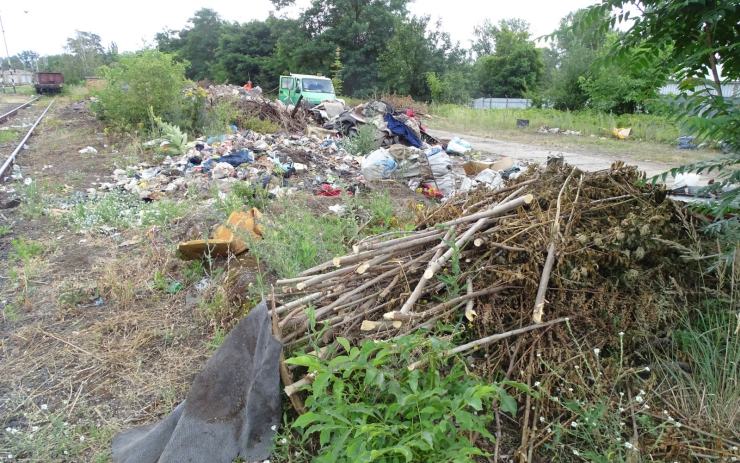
279	163
555	243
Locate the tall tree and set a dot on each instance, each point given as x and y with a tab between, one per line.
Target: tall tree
361	28
29	59
515	67
196	43
87	48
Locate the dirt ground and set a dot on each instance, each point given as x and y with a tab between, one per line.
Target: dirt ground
584	152
88	344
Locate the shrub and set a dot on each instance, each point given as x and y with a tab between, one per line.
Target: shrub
139	81
366	405
363	142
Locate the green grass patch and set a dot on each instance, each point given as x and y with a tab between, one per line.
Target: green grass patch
5	230
295	239
8	135
645	127
25	250
123	210
363	142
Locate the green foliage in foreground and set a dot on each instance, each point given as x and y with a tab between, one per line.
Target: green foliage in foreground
363	142
367	406
645	127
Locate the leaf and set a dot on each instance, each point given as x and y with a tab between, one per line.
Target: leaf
508	403
306	419
344	342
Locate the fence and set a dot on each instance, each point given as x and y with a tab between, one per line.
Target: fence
501	103
19	77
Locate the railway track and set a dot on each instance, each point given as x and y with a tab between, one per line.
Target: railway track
9	110
10	159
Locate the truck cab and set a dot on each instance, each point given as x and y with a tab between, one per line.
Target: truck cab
314	89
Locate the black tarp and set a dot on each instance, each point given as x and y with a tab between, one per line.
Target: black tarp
232	409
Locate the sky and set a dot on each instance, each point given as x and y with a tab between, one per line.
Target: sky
44	25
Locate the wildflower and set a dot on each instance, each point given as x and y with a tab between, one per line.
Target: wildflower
536	384
82	438
34	428
576	452
44	407
274	428
577	367
542	419
621	334
283	441
570	389
597	351
10	456
638	399
630	446
573	424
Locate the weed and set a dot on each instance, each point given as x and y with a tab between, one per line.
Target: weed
366	405
162	212
175	139
242	194
219	117
165	284
258	125
8	135
296	239
193	272
25	250
363	142
5	230
10	312
33	204
219	334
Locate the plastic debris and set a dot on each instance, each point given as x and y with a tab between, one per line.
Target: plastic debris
458	146
88	150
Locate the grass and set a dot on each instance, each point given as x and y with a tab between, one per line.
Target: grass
34	200
256	124
645	127
8	135
122	210
5	230
296	239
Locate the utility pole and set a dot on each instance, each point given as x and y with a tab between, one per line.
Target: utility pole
7	57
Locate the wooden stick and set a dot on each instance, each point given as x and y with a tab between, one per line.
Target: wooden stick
491	339
419	289
539	301
492	212
285	375
305	381
296	303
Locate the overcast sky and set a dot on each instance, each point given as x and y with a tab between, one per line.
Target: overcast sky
44	25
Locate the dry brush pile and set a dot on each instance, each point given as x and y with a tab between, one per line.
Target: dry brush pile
549	270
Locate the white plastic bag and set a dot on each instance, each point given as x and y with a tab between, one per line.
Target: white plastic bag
378	165
458	146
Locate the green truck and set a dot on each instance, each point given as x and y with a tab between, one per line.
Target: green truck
313	89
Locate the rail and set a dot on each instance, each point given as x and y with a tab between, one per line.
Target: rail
12	112
9	162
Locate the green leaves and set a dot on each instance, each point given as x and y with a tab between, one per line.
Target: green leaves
366	406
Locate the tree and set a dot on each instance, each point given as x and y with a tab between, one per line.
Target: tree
28	59
486	33
86	47
516	65
196	43
361	29
699	38
336	71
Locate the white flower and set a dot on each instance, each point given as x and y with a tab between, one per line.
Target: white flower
573	424
34	428
283	441
10	456
646	369
638	399
621	334
577	367
8	430
44	407
274	428
82	438
536	384
542	419
576	452
570	389
629	446
597	351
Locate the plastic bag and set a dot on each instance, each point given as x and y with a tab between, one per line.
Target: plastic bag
378	165
458	146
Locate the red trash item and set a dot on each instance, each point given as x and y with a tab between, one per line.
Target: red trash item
327	189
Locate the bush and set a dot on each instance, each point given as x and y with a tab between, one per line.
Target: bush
363	142
139	81
366	405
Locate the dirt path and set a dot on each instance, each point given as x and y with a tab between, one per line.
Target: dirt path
539	154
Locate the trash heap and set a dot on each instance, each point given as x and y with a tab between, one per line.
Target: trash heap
554	243
279	163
